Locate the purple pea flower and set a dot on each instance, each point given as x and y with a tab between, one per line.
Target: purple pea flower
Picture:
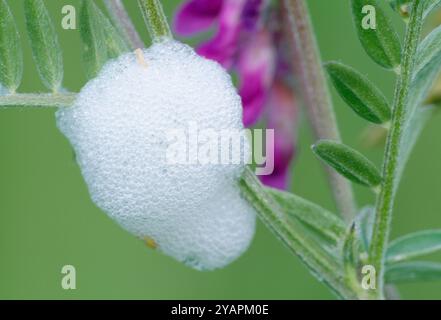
245	43
255	67
281	115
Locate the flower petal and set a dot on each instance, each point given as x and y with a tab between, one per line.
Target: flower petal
223	46
282	115
251	14
256	72
196	16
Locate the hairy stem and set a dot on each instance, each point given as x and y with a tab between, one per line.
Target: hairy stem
386	198
293	235
122	20
316	95
155	19
57	100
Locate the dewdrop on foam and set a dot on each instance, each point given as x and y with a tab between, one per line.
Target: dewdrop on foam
118	127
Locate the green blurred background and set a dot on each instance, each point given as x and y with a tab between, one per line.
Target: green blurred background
47	219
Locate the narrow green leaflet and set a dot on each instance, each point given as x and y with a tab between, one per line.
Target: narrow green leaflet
294	235
376	33
95	52
412	130
414	245
321	221
116	45
101	40
429	51
359	93
365	224
44	43
427	69
350	252
413	271
11	56
348	162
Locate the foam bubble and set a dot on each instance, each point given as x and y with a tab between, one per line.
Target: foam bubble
118	127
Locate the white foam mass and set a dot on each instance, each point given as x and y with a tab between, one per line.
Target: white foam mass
118	127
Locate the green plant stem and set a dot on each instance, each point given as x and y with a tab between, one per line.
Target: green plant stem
155	19
316	95
293	235
122	20
386	198
58	100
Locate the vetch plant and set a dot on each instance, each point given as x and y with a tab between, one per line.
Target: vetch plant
203	215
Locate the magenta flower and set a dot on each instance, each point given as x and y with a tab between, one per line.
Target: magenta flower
281	115
255	66
196	16
244	43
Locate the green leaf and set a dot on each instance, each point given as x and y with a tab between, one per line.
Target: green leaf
379	39
293	234
427	68
350	251
359	93
426	71
11	56
318	220
348	162
414	245
429	51
412	130
101	40
44	43
413	271
365	225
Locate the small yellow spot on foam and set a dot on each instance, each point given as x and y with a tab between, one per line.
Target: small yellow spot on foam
149	242
140	58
